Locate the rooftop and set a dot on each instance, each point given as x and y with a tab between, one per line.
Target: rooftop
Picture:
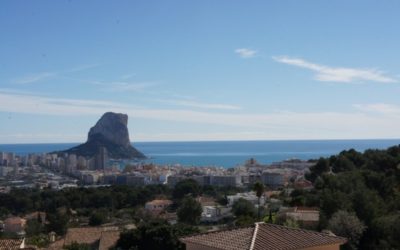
159	202
103	237
10	244
263	236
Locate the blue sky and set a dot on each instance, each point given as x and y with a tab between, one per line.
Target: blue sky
200	70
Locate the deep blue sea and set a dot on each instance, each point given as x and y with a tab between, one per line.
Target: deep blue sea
225	153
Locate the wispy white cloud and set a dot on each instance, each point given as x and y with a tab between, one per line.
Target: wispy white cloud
379	108
127	76
245	52
202	105
127	86
337	74
35	77
275	125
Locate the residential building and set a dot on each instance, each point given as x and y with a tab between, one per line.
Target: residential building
226	180
39	216
157	206
273	180
307	217
101	159
172	180
250	196
263	236
210	213
14	225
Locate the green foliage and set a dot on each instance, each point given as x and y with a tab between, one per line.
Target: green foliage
40	240
365	184
321	167
58	223
21	201
33	227
244	220
291	223
243	207
97	218
189	211
347	225
259	189
155	235
185	187
387	228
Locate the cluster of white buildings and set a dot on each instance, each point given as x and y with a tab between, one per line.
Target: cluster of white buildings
99	170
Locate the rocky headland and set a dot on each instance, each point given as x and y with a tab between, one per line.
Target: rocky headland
111	133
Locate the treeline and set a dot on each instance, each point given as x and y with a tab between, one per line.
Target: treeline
358	195
22	201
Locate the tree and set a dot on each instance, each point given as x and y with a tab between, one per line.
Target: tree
185	187
259	189
96	219
155	235
58	223
190	211
347	225
243	207
245	220
291	223
33	227
322	166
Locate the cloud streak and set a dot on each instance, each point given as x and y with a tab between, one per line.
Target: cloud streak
37	77
246	53
379	108
337	74
276	125
201	105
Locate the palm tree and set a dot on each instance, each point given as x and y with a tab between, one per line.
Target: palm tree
259	189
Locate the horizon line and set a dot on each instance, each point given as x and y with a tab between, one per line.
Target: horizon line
233	140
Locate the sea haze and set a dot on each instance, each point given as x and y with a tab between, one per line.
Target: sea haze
225	153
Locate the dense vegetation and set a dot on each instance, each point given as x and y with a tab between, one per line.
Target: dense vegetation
155	235
104	204
363	188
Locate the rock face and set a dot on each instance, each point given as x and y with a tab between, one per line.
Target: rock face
113	127
110	132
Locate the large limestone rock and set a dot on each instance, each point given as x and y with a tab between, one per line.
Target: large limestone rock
113	127
111	132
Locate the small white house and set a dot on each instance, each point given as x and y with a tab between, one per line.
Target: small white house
250	196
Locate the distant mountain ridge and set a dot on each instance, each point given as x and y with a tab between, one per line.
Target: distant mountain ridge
110	132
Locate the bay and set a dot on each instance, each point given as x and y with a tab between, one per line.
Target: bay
225	153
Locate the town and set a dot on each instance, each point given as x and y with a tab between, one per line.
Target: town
231	189
58	172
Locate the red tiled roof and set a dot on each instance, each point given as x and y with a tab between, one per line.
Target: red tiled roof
108	239
263	236
279	237
102	236
14	220
159	202
10	244
85	235
234	239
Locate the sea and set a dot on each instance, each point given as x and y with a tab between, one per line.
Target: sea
225	153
